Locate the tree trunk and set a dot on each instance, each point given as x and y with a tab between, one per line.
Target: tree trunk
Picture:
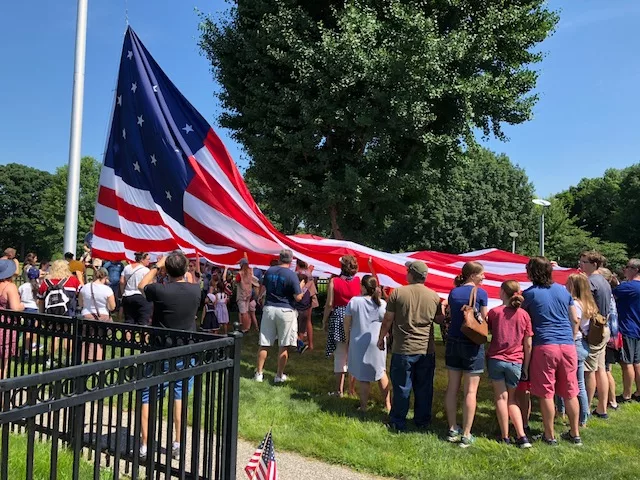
335	229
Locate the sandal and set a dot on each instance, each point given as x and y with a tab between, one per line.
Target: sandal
335	394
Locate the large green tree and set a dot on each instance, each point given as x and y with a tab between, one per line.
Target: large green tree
21	209
473	204
344	107
55	199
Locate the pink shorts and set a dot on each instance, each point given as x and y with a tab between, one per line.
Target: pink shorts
554	370
524	386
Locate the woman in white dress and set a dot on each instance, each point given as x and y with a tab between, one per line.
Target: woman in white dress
362	321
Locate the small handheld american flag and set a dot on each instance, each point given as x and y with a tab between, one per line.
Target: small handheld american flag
262	464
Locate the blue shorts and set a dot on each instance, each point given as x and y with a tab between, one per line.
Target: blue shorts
507	371
464	355
177	385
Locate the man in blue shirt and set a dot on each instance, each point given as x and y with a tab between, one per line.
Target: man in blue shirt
279	317
628	302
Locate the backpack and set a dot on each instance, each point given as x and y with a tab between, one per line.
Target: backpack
597	324
56	300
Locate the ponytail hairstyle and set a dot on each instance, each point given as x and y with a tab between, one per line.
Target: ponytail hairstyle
370	284
468	269
100	273
511	288
139	256
33	274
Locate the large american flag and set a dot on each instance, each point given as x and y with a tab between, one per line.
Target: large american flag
168	183
262	464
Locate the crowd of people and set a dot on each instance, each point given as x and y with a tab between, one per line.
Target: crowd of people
555	342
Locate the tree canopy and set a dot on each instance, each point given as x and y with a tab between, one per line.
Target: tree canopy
21	209
33	208
608	207
344	106
55	199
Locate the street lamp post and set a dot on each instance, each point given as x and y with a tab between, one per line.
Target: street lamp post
513	236
544	204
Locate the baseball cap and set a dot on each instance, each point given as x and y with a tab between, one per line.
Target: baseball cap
286	256
33	273
418	267
243	261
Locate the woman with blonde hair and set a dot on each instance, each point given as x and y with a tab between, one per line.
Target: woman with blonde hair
595	374
55	303
59	273
340	291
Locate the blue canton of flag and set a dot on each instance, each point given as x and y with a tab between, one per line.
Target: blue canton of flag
154	130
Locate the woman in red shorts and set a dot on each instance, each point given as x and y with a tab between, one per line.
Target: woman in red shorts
554	360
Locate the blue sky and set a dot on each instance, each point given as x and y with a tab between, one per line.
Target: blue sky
585	122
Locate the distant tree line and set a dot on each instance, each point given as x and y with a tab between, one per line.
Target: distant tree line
33	205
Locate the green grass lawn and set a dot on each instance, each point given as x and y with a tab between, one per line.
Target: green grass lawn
41	464
306	420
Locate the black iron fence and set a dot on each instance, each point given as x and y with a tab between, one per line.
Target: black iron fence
96	390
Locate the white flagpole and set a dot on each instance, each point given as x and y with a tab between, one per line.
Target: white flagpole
75	142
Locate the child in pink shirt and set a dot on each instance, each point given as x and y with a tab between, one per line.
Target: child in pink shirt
508	358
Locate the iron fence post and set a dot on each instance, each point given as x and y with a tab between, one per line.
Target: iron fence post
232	401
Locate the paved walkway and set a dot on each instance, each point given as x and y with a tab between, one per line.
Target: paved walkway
292	466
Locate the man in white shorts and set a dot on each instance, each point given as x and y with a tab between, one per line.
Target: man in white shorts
279	317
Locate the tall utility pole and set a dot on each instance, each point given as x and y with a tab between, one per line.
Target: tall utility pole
75	142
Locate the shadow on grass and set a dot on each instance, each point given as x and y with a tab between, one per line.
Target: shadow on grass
311	378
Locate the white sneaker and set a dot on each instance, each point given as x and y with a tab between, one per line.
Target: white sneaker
281	379
258	377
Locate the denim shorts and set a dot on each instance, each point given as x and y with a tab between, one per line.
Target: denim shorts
177	385
464	355
507	371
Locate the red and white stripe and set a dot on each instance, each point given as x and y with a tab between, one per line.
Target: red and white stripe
222	222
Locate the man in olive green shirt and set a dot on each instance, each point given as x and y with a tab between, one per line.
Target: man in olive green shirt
411	313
